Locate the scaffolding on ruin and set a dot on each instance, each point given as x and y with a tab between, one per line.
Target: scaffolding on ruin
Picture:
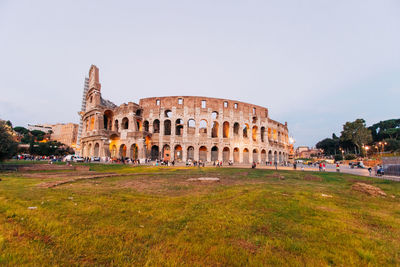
83	108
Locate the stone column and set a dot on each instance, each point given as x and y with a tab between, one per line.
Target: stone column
184	153
196	153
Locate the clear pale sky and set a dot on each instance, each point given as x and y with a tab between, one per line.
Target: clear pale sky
315	64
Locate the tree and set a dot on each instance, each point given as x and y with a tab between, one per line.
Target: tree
8	147
21	130
392	145
356	133
329	145
388	129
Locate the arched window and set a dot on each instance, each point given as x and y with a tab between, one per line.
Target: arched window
146	126
262	134
191	126
214	130
107	118
116	126
203	128
179	127
226	129
254	133
214	115
168	113
156	126
167	127
245	130
125	123
236	128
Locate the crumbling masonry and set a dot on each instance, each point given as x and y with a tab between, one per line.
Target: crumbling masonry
180	128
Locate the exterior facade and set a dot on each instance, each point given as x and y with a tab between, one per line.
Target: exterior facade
65	133
180	128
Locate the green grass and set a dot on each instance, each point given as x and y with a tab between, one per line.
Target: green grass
154	217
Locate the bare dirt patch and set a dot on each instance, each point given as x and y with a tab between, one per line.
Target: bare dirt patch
368	189
276	175
179	184
309	177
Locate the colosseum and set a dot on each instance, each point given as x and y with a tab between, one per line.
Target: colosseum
179	128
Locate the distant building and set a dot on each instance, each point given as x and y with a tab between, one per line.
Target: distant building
306	152
65	133
46	128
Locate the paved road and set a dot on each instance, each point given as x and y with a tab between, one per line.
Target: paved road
332	168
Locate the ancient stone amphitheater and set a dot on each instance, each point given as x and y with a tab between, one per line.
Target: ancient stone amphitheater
179	128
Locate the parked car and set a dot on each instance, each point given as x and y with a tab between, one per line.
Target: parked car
78	159
96	159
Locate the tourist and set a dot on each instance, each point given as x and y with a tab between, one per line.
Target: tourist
253	166
337	167
276	165
370	171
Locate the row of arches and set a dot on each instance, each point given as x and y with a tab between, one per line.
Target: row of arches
176	153
255	133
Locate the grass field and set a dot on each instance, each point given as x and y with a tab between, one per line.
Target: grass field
154	216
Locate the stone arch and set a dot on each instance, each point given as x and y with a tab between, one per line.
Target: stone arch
203	153
236	155
167	127
270	158
236	128
113	151
254	131
107	118
89	152
166	153
280	157
262	134
134	151
275	134
168	113
263	156
214	153
122	151
225	154
255	155
191	126
146	126
154	154
225	129
246	158
275	156
214	115
96	151
214	129
269	133
245	130
203	128
156	126
179	127
178	155
125	124
190	153
139	125
116	125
